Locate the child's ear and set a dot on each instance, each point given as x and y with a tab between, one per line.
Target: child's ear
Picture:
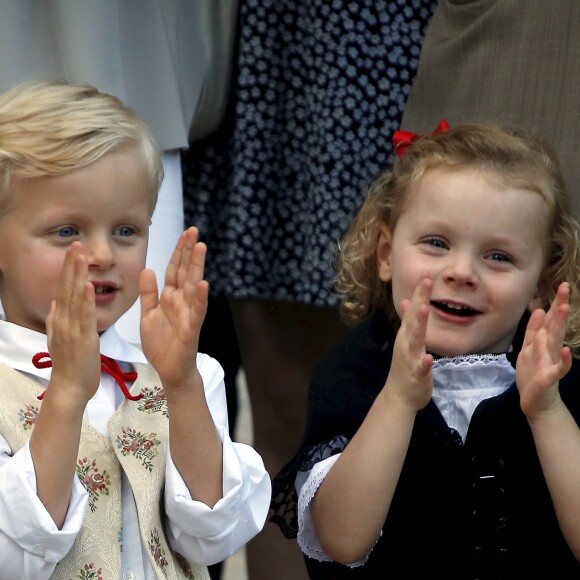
540	297
384	253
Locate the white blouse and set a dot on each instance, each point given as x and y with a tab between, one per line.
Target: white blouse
30	543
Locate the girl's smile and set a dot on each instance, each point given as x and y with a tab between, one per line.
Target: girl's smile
482	247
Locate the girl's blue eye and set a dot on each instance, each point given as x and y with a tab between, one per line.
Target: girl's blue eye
499	257
125	231
67	232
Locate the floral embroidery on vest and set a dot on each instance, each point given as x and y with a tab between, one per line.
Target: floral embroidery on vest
138	439
153	401
139	445
28	416
157	550
89	572
94	482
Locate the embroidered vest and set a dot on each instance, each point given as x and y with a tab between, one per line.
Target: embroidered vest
138	445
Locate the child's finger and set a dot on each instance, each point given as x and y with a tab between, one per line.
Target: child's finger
67	275
50	319
556	320
172	270
199	308
416	312
75	300
81	287
148	291
562	297
565	361
535	322
556	332
562	294
197	266
177	272
189	241
421	296
195	274
420	300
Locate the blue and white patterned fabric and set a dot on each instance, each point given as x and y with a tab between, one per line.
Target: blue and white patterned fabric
319	87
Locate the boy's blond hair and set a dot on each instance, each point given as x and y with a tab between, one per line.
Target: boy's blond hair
508	158
52	127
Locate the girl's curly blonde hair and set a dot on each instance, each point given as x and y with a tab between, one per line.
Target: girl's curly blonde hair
510	158
52	127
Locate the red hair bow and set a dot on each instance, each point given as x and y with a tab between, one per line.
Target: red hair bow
41	360
402	139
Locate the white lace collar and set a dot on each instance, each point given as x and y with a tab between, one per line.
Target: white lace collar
460	383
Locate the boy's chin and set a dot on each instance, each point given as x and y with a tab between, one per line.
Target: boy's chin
103	325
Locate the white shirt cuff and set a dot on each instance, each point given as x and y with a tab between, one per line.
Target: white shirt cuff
208	535
24	518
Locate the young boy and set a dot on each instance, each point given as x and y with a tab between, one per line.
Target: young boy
105	472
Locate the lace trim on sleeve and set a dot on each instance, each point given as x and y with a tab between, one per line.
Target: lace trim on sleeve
307	538
284	497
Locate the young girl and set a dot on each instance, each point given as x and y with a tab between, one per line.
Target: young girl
442	438
114	462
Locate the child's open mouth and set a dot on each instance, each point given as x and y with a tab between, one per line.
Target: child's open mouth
104	288
455	309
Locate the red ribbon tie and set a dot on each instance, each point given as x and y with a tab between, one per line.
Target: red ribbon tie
41	360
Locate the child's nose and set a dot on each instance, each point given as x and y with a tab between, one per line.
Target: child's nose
99	252
460	270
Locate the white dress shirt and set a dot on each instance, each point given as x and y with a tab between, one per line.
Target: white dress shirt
30	543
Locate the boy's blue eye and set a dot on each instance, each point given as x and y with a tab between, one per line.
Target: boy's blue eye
67	232
125	231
